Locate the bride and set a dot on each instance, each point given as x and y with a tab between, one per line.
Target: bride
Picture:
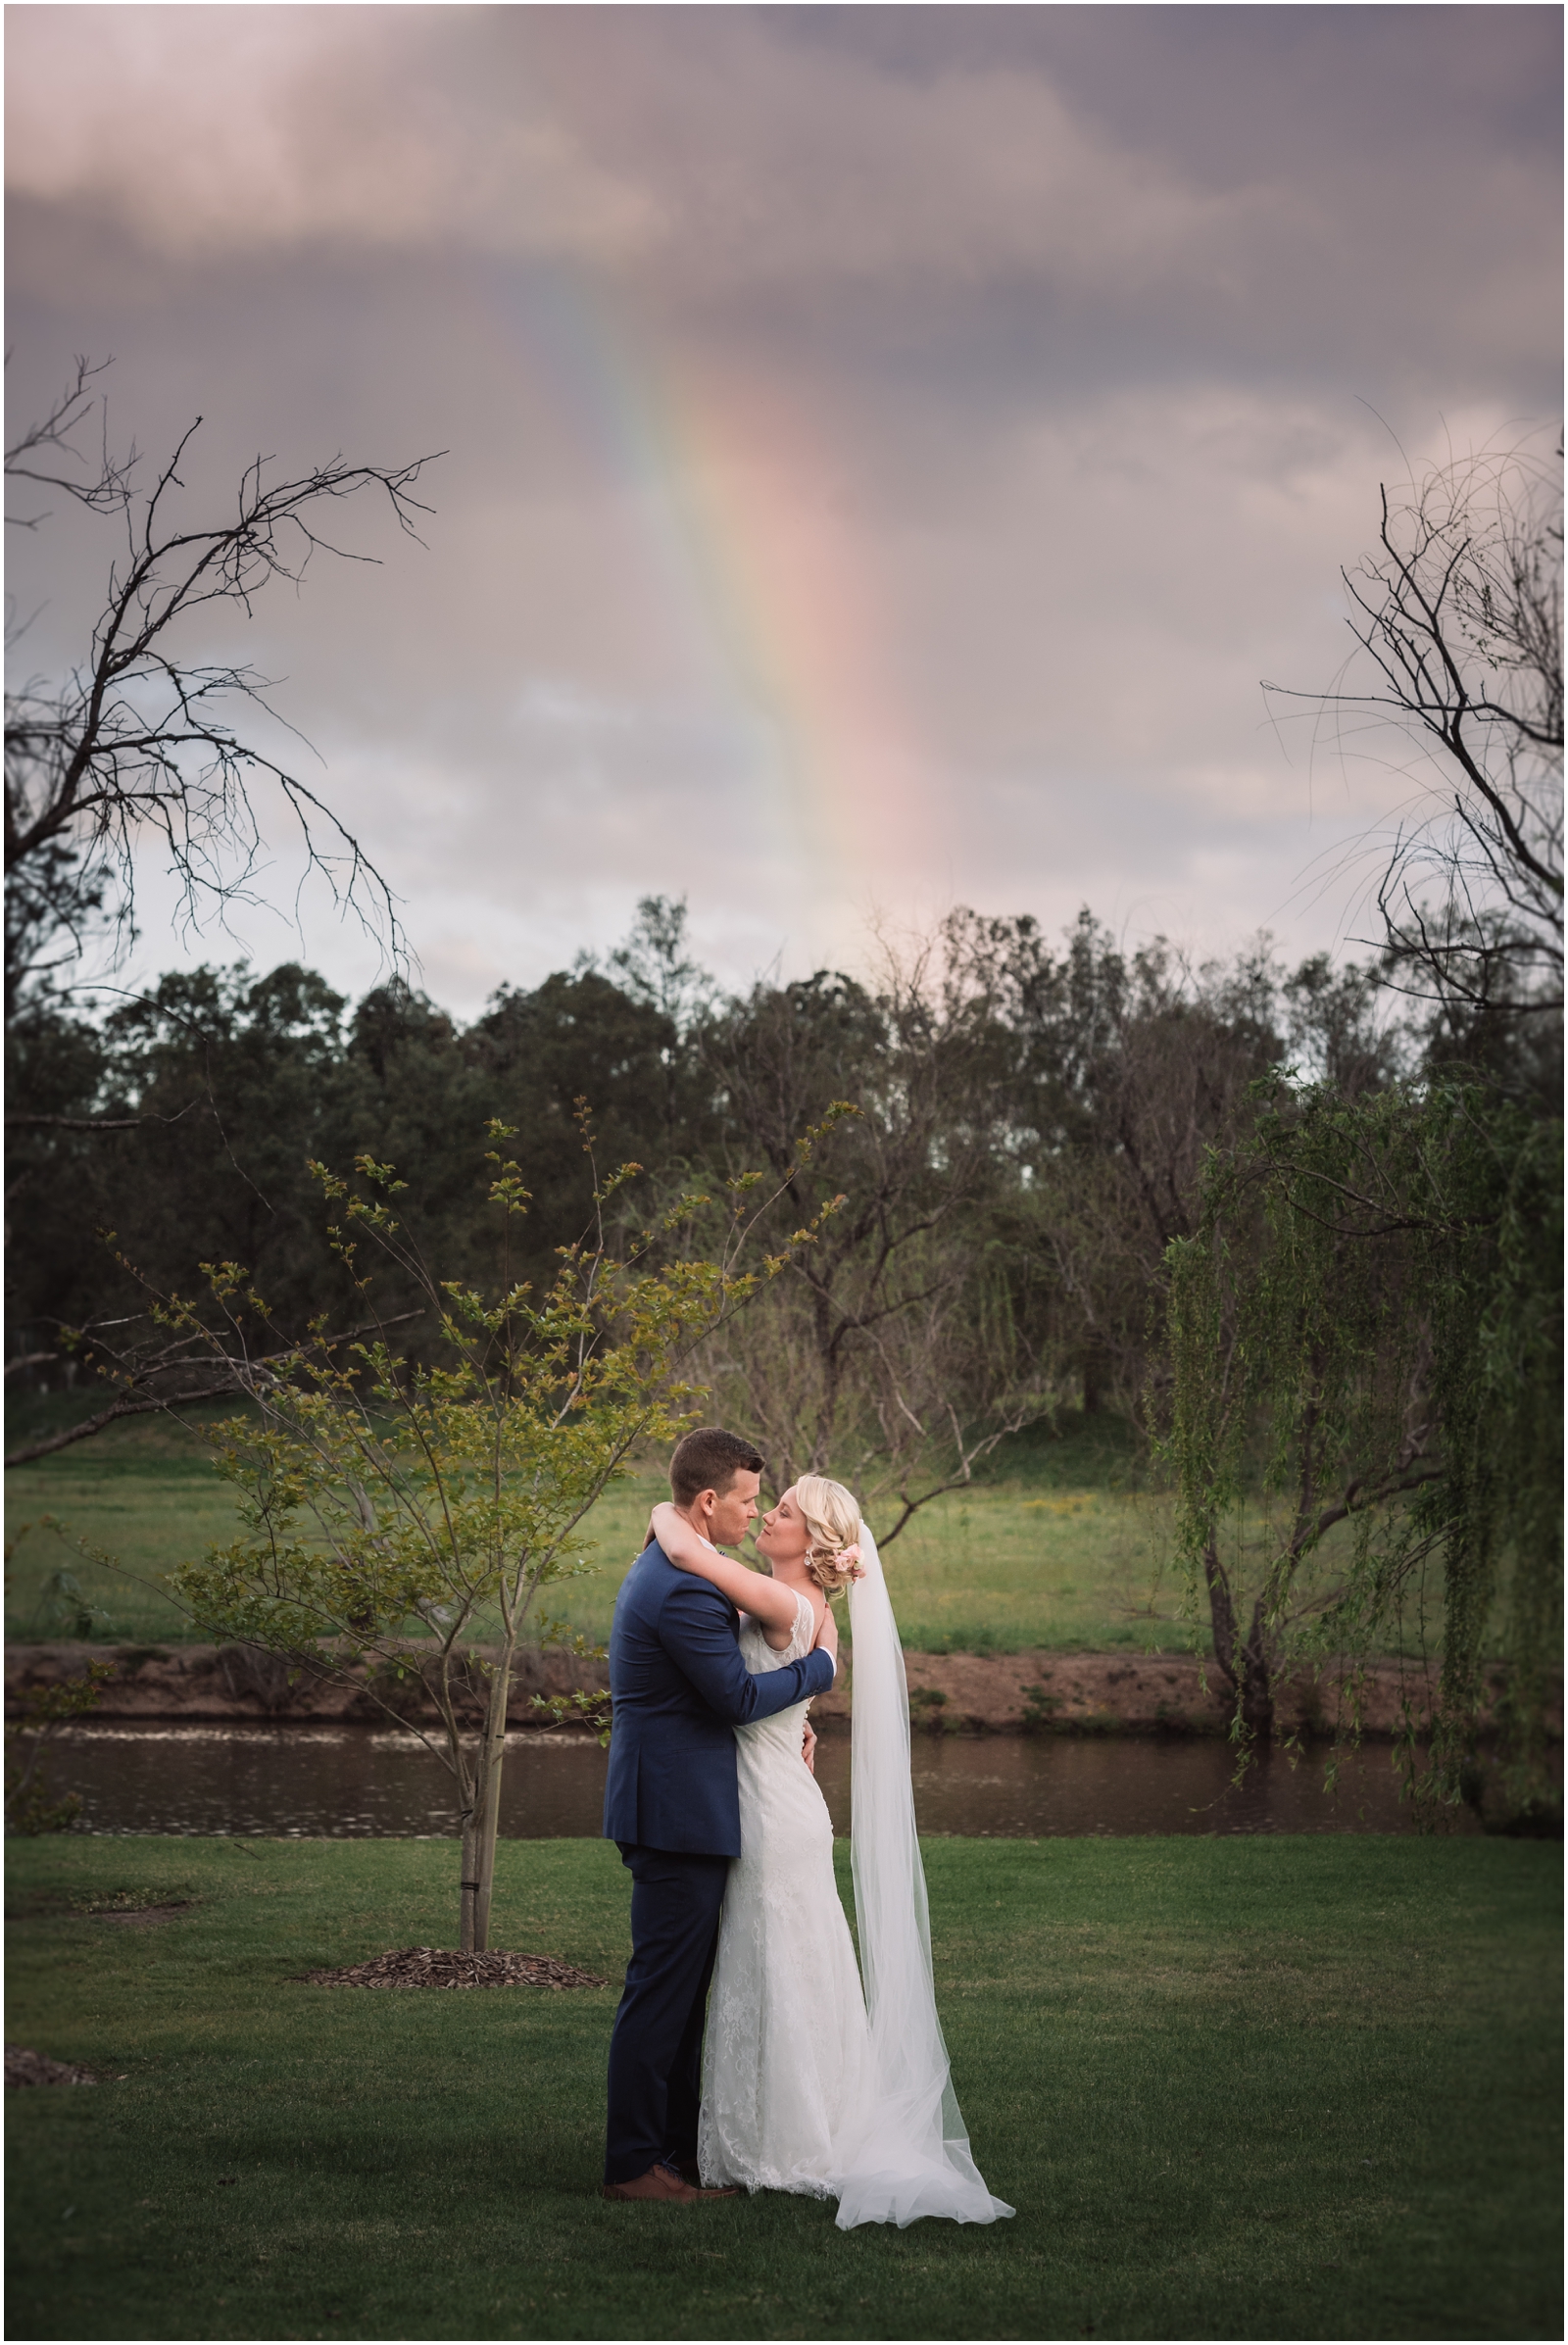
808	2085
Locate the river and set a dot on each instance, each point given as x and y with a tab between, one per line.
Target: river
355	1781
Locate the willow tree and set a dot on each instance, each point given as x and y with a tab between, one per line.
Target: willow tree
1366	1338
390	1500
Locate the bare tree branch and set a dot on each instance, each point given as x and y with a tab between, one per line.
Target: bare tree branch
1458	614
161	1380
138	738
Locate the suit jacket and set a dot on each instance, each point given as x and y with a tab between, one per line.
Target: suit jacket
680	1690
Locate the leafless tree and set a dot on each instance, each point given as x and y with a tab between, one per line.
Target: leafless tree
1457	614
138	737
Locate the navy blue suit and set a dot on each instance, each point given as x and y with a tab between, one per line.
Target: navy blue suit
679	1689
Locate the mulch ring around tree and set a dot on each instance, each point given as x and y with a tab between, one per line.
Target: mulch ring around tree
435	1966
36	2068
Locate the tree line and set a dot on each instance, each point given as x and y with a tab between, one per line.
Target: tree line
1030	1124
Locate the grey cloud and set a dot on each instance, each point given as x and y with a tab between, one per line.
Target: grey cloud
1248	184
1243	170
1097	326
250	129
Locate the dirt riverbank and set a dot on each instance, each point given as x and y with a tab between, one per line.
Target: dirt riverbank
1046	1692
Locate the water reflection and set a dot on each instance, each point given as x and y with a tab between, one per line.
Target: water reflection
356	1781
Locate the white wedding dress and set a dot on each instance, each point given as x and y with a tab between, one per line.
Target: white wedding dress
808	2085
787	2051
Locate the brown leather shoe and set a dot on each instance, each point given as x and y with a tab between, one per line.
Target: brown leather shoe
661	2186
690	2171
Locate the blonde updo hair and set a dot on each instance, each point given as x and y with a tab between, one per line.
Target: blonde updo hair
833	1520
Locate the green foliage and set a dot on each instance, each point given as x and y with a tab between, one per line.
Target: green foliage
393	1504
1366	1330
187	1118
1040	1710
378	1490
1033	1121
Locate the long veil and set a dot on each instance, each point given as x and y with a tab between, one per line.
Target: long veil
909	2155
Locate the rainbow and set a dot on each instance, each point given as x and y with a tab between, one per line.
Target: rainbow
747	542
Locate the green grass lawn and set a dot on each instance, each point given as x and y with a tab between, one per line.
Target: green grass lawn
1271	2087
1055	1549
138	1493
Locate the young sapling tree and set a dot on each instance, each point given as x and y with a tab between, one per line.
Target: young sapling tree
388	1500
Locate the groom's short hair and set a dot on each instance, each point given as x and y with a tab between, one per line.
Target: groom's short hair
708	1459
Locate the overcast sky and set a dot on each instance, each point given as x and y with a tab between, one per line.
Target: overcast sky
888	447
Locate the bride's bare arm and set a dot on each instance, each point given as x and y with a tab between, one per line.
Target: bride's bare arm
748	1590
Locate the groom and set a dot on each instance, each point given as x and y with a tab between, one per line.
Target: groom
671	1806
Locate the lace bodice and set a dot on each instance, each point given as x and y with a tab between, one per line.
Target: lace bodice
760	1659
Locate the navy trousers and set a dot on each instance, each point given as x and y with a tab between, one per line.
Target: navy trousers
655	2049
